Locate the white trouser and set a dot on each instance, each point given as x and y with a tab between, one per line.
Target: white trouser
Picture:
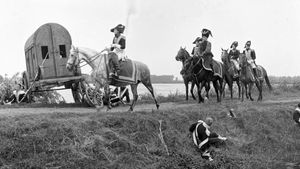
236	64
252	63
120	53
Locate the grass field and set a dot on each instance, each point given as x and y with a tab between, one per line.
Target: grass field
263	135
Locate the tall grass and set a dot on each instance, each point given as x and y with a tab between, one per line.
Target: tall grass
9	84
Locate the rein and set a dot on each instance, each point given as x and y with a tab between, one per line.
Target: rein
91	59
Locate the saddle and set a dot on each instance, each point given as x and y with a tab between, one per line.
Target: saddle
208	61
127	73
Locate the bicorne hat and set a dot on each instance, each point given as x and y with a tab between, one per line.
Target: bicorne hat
197	40
120	28
248	43
206	32
235	43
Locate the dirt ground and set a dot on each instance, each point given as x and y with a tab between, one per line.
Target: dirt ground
16	110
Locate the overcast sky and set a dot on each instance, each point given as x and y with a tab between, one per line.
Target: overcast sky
156	29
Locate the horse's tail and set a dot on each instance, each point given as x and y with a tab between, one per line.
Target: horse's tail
267	79
268	82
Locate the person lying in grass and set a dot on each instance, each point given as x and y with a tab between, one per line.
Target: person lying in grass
203	138
296	115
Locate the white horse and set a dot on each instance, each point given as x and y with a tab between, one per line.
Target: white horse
100	63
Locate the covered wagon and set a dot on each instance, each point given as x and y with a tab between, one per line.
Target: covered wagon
46	55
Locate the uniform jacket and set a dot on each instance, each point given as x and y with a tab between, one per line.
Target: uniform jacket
120	41
234	54
205	48
253	55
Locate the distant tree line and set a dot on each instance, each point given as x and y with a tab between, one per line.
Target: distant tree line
164	79
284	79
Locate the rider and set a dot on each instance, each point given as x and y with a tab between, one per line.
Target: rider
234	56
205	47
118	47
196	47
250	56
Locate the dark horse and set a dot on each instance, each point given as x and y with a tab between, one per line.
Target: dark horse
202	76
229	73
247	78
187	73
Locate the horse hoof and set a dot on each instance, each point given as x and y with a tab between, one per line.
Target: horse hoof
157	106
130	110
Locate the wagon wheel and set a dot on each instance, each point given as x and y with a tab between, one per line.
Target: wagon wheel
26	86
77	92
89	96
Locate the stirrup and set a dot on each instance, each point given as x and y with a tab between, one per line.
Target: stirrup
114	75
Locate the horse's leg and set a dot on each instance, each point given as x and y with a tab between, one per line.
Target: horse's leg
250	89
243	91
259	87
223	88
220	84
107	94
199	88
207	88
192	89
239	87
149	86
135	96
217	88
230	88
246	90
186	83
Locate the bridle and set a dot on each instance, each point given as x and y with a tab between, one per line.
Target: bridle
87	61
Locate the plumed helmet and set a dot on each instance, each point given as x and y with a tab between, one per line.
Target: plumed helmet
120	28
197	40
235	43
248	43
209	121
206	32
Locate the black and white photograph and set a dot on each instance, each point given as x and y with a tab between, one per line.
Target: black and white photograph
150	84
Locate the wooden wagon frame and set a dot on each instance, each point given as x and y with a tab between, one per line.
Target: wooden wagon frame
46	55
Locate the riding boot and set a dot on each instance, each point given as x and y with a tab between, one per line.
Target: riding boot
212	68
255	74
116	67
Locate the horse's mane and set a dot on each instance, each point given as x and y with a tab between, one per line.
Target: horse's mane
87	51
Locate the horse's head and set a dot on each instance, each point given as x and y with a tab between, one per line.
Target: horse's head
243	60
182	55
224	55
73	60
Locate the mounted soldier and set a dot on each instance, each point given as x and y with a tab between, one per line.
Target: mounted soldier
118	48
205	48
197	45
250	56
234	56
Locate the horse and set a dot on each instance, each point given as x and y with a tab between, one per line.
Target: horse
186	72
101	64
229	74
202	75
247	79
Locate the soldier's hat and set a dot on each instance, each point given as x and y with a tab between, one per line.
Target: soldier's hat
248	43
120	28
206	32
235	43
197	40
